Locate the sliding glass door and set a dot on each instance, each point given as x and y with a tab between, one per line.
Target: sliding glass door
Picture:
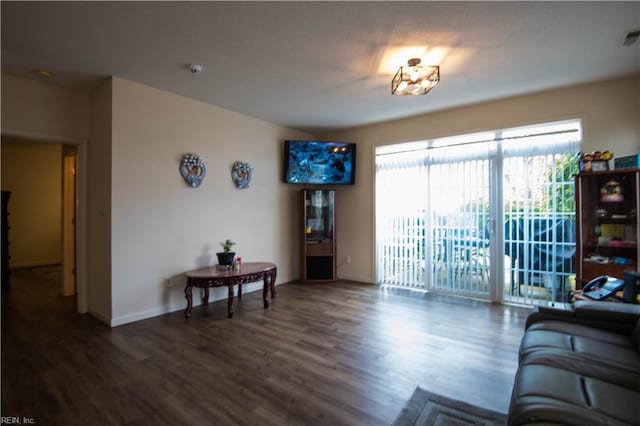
459	206
486	215
539	212
432	216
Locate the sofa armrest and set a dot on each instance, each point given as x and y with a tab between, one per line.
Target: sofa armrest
616	317
610	311
563	312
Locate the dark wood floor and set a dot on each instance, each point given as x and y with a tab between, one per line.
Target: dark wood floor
341	354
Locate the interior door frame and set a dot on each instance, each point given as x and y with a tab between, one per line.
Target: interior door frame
69	203
81	218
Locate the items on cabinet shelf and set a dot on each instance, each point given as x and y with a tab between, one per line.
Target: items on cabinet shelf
627	162
611	192
607	223
318	237
595	161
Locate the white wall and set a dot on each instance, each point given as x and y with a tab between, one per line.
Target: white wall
32	172
611	114
161	227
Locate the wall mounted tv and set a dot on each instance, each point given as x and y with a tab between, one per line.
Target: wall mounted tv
319	163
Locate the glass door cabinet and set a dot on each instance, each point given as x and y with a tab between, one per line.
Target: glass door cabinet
607	223
318	245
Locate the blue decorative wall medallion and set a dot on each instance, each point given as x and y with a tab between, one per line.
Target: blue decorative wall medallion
192	169
241	174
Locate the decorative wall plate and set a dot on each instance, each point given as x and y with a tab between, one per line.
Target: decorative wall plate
241	174
193	169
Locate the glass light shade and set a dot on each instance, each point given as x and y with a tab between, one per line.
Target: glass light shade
414	79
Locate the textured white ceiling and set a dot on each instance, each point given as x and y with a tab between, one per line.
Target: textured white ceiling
320	66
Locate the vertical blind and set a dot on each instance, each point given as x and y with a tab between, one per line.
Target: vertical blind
435	201
539	210
401	199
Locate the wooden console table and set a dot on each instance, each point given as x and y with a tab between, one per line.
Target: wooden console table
248	273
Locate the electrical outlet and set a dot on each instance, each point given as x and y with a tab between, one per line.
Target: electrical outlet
347	259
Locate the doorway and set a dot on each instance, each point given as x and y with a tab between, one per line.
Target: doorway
42	178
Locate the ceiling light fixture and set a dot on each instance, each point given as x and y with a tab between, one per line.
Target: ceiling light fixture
414	79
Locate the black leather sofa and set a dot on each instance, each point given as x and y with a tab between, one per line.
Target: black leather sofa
579	365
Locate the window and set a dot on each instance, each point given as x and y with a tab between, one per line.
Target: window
488	214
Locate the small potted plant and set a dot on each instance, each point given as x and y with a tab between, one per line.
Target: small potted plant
225	257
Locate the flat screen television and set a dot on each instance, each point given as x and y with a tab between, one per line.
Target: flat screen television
319	162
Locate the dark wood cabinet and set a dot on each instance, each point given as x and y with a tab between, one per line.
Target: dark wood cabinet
607	223
318	242
6	273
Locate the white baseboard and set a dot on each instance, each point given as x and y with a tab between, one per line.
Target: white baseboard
139	316
167	309
357	278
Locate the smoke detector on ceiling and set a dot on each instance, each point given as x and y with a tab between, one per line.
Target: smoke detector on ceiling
631	37
195	68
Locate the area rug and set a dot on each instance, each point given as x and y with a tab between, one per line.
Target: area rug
428	409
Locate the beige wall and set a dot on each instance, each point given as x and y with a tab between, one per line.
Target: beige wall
139	225
32	172
98	201
144	226
38	110
161	227
611	114
32	110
